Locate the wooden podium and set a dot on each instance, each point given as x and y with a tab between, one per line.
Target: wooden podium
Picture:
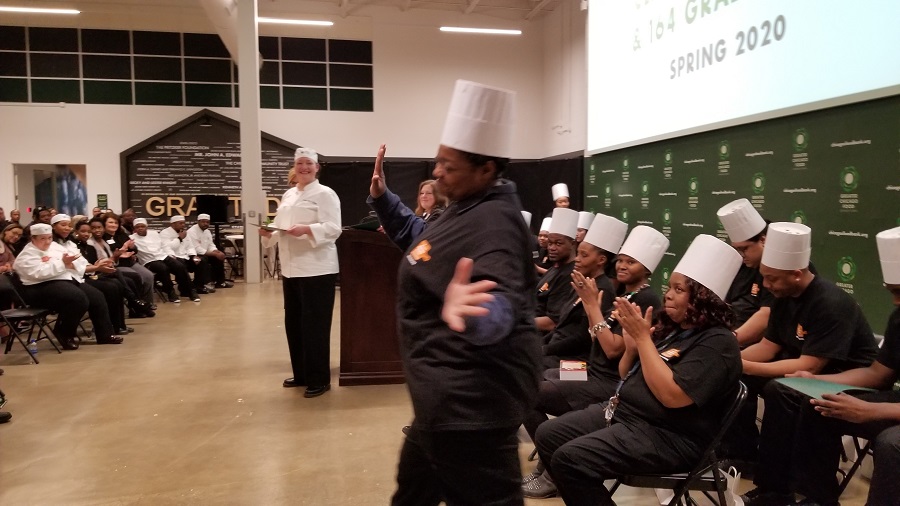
370	352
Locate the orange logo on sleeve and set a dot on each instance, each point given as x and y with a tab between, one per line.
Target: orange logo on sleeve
754	290
545	287
670	353
801	334
420	252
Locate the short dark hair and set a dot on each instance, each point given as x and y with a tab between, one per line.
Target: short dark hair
479	160
705	310
763	232
98	219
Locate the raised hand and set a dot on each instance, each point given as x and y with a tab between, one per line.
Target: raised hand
629	316
379	185
464	298
586	288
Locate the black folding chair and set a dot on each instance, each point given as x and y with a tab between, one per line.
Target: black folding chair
34	318
234	257
863	448
706	476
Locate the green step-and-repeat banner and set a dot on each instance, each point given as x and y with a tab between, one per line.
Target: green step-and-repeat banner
835	170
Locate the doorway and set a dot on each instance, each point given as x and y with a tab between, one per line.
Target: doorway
63	187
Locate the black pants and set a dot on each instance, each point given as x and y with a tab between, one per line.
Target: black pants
308	307
142	278
7	292
217	268
557	397
113	296
459	467
66	298
580	452
199	269
163	271
742	439
800	450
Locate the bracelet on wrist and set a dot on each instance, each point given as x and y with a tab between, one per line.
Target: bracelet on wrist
596	328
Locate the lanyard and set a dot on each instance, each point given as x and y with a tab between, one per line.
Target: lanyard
613	403
628	296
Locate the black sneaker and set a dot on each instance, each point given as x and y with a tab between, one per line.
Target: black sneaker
173	297
539	488
224	284
5	416
194	297
760	497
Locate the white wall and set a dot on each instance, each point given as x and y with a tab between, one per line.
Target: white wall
415	66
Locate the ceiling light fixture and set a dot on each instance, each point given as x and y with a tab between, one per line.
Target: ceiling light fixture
493	31
294	21
38	10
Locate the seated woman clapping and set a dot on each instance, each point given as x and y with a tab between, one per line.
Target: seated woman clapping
678	379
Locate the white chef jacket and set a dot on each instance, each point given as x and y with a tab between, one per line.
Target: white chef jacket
182	249
201	240
312	254
151	247
32	269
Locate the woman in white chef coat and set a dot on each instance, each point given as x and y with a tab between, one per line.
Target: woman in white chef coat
308	222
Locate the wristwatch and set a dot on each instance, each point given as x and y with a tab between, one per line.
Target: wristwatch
597	327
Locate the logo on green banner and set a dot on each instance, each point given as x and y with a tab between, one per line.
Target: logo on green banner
667	217
759	183
593	169
625	215
608	190
798	217
849	179
645	188
846	269
625	163
801	139
669	158
694	186
665	275
724	150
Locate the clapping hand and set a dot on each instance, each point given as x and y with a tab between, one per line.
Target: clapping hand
628	314
464	298
586	288
379	185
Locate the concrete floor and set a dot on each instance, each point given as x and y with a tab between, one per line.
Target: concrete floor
190	410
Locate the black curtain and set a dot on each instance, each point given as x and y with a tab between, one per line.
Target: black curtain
535	178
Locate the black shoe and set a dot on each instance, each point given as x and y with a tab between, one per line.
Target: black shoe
225	284
153	307
202	290
405	430
71	343
538	471
194	297
5	416
126	330
316	391
292	383
760	497
111	340
173	297
540	488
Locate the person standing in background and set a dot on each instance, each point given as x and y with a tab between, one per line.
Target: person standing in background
309	223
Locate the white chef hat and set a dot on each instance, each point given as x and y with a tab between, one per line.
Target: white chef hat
59	217
585	219
646	245
480	120
202	216
788	246
889	253
545	225
527	217
40	229
606	233
176	218
306	153
564	222
139	221
710	262
741	220
559	190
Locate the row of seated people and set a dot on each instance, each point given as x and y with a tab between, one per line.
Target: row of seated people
788	320
75	266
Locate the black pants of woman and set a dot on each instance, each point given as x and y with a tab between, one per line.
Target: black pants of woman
113	296
66	298
308	305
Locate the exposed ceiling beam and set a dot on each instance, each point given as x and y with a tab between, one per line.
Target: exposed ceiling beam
345	8
537	8
471	6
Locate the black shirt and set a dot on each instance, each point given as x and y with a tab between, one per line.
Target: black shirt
600	365
554	291
571	340
458	381
889	355
747	294
825	322
707	367
541	257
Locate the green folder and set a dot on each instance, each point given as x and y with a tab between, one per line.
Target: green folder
816	388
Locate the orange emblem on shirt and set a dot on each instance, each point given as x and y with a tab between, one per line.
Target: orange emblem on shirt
420	252
801	334
754	290
545	287
671	353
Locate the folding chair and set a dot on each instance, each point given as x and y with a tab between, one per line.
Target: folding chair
863	448
234	256
34	317
706	477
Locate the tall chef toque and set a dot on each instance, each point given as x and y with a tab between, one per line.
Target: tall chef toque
710	262
559	190
889	254
606	233
646	245
564	222
741	220
480	120
788	246
585	219
306	153
545	225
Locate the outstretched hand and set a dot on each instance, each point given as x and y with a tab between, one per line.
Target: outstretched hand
378	186
464	298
